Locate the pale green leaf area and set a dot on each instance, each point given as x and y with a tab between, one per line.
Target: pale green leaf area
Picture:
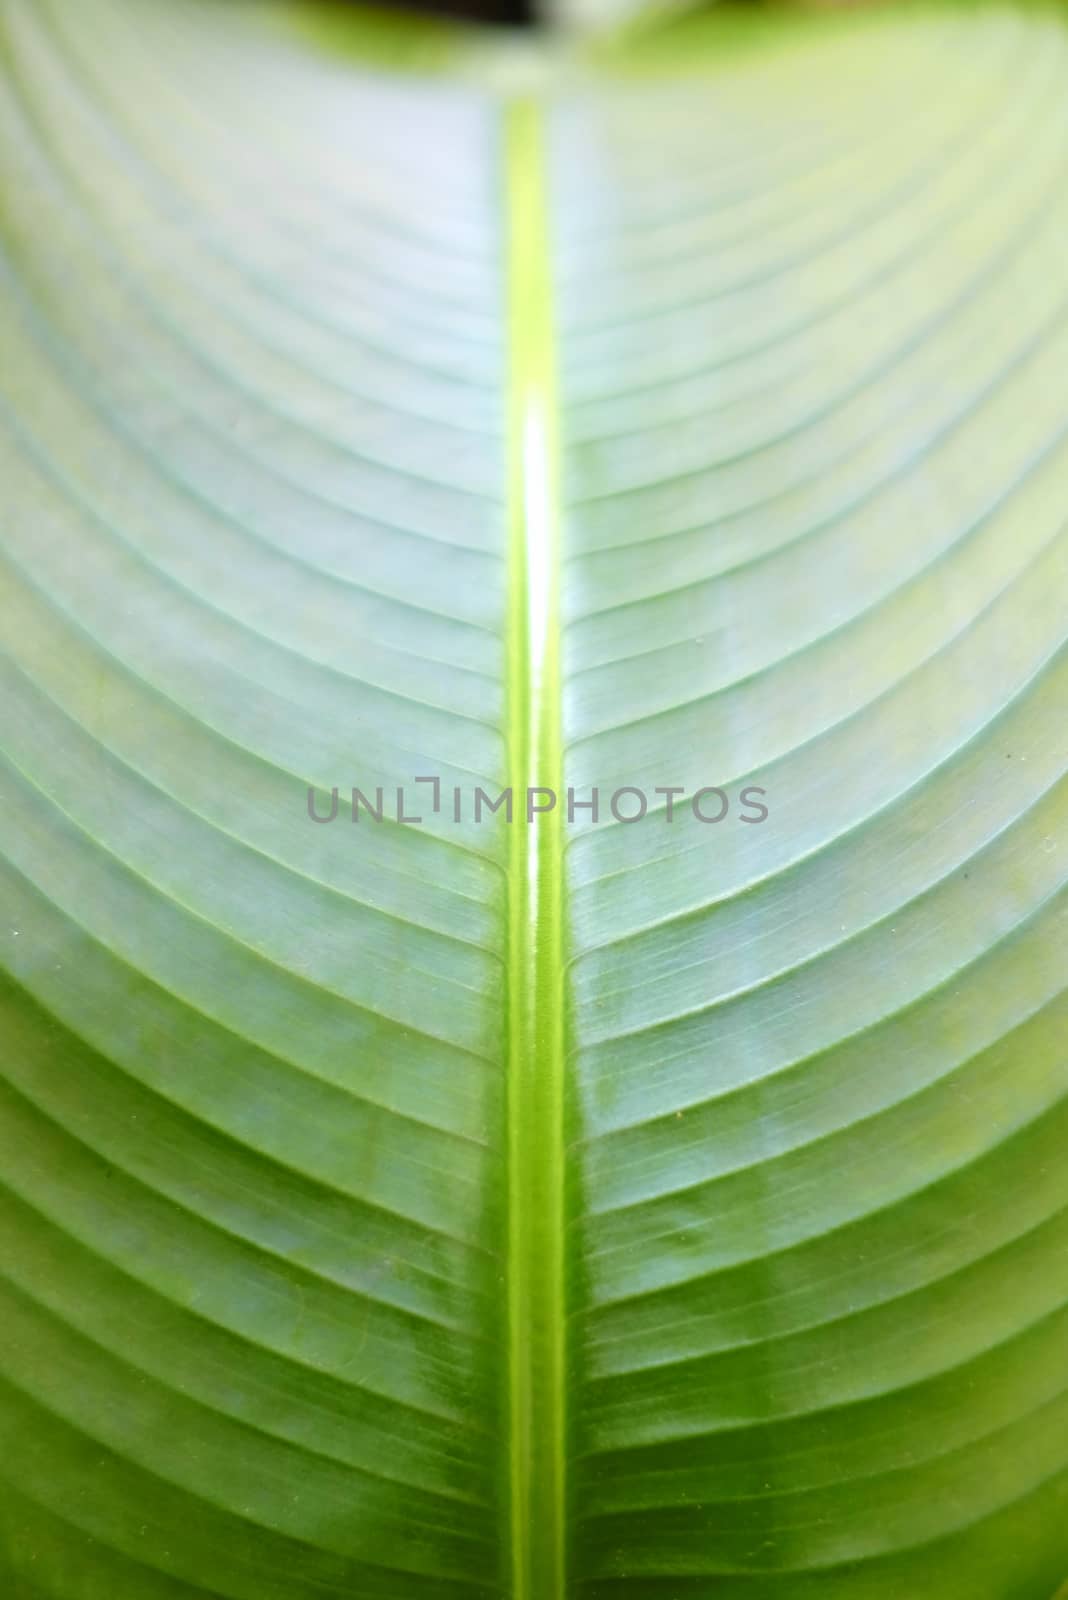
593	1211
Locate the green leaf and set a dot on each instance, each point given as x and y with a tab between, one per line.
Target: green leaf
425	1210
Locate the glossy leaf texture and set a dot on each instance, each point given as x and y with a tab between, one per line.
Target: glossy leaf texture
817	462
805	435
253	1111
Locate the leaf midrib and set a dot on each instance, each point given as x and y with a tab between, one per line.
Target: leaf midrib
536	1412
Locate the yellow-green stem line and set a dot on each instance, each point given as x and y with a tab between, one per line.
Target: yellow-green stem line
536	1311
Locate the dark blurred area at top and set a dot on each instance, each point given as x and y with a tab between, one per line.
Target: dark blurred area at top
516	13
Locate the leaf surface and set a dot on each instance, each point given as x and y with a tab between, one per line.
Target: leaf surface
450	1208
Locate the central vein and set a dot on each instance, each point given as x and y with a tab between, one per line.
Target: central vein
536	1004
